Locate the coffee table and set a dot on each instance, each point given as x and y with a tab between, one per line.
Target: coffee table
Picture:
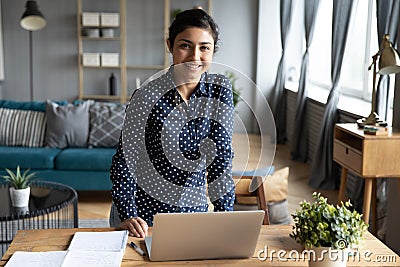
51	205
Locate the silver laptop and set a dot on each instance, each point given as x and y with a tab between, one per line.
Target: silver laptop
204	235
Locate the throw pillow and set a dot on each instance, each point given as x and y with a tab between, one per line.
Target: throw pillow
106	122
22	127
275	187
67	125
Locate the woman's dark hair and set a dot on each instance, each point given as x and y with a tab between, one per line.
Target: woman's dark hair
193	18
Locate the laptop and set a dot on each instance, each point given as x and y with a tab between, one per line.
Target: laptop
204	235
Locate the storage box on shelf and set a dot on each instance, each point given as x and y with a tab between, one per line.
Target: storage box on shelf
109	19
90	19
91	59
109	59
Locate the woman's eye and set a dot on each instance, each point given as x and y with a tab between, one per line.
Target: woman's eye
205	48
184	46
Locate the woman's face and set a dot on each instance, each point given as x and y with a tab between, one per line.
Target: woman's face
192	52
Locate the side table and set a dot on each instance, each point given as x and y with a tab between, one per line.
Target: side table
51	205
370	157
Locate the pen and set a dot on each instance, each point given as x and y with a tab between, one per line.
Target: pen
139	250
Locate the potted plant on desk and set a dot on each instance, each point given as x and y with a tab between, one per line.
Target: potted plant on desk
19	186
321	226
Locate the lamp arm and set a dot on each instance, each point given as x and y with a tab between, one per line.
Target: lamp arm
375	73
374	59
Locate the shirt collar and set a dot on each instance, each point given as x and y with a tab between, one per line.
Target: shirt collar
202	88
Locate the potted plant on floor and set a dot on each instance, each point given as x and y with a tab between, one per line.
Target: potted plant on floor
322	226
19	186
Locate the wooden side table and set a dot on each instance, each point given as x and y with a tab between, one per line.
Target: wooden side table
369	156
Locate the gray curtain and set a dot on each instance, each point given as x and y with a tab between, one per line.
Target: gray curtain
299	141
387	14
277	100
322	175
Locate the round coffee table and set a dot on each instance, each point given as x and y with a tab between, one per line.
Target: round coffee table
51	205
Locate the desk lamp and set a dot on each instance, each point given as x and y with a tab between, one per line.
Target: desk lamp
389	63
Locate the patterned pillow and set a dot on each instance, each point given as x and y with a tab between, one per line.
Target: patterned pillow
106	122
22	127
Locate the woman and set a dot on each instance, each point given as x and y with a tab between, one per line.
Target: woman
186	130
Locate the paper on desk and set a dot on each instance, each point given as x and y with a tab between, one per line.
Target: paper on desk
36	259
76	258
99	241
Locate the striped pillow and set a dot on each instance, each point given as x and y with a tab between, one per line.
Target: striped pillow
22	127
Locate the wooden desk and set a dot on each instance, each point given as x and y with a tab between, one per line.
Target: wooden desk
368	156
273	236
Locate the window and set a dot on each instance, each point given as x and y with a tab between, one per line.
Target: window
361	45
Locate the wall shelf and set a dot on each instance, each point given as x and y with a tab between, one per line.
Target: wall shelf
138	63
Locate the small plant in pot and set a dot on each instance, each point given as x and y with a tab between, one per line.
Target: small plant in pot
19	186
322	226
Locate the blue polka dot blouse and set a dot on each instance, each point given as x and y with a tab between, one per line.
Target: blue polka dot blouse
185	155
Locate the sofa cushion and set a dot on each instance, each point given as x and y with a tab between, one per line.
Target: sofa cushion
96	159
106	122
22	127
67	125
32	157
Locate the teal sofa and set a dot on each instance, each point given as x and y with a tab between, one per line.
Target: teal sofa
83	168
80	168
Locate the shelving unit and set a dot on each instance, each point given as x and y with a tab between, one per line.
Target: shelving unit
142	48
98	42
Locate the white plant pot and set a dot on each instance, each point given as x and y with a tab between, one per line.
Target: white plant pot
20	197
328	257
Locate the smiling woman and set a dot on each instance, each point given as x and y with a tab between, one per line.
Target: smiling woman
178	127
192	48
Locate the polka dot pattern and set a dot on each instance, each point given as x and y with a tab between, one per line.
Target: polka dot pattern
173	154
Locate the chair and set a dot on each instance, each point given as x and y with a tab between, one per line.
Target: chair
242	191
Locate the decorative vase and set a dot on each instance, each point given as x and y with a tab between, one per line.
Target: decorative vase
327	257
112	84
20	197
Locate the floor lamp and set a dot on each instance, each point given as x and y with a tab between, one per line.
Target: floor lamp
32	20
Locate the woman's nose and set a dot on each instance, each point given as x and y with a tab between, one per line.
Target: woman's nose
195	55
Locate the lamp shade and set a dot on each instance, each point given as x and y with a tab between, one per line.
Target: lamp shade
389	61
32	19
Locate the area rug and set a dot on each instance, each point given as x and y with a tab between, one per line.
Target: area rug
93	223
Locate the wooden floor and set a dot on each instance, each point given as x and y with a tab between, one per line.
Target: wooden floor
96	205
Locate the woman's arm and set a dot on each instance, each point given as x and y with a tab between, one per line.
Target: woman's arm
123	185
123	194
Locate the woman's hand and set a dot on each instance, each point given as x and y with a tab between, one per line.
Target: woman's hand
136	226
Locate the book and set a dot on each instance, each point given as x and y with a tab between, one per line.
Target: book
376	130
86	249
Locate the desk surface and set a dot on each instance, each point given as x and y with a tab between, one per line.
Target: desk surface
272	237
